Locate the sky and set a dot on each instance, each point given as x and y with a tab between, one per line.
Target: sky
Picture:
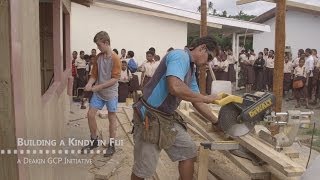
230	6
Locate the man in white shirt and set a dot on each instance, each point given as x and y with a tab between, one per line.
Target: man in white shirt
309	64
148	68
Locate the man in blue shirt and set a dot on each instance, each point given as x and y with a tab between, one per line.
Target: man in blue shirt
173	81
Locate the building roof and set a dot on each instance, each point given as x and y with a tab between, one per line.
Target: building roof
161	10
83	2
291	6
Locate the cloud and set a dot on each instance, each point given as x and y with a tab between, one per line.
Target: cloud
230	6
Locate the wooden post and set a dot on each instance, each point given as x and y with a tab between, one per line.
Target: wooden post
279	50
280	41
203	32
203	163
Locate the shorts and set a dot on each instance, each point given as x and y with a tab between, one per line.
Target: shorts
146	155
98	103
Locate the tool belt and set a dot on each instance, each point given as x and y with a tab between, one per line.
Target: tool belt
158	127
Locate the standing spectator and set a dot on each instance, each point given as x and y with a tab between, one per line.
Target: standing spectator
74	72
124	80
287	77
134	82
265	53
309	64
81	72
93	52
297	59
115	51
259	72
300	92
123	54
231	68
315	79
148	68
269	70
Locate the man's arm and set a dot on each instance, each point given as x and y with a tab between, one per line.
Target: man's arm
205	111
107	84
181	90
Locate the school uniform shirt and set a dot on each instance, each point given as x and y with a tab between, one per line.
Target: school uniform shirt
149	68
316	60
300	71
224	64
231	59
125	76
296	62
89	68
265	57
310	65
288	67
243	57
270	63
252	59
80	63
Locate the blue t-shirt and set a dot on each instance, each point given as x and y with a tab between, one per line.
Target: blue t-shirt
176	63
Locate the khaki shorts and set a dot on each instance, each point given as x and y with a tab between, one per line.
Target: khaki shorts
146	155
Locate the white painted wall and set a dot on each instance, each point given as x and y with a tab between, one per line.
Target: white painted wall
302	31
128	30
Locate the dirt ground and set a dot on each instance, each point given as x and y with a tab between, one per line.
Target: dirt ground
77	127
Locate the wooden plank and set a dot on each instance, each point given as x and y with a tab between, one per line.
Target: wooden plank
8	94
255	172
281	162
203	163
206	125
290	152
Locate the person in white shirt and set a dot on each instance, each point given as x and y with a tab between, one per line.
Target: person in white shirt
296	60
287	71
231	68
81	65
123	54
124	80
309	64
316	76
243	58
269	70
265	53
148	68
249	71
300	74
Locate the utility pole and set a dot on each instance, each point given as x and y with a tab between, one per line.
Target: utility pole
280	43
203	32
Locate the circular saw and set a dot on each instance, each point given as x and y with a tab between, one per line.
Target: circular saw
238	115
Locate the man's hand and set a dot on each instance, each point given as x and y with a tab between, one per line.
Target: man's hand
88	87
211	98
96	88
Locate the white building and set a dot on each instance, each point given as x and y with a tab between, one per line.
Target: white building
139	24
302	28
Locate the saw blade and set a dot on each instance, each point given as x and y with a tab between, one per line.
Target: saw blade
231	124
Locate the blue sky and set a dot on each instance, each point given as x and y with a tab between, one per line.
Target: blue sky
230	6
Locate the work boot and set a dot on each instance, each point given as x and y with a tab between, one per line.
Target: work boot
90	146
110	150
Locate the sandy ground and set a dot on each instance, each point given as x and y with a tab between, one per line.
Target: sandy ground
77	127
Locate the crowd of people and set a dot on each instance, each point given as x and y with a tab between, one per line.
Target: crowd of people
129	82
301	74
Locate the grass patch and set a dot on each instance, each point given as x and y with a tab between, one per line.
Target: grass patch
310	131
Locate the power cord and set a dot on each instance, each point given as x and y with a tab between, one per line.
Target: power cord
314	127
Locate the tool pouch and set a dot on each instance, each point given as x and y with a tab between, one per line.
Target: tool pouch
160	130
